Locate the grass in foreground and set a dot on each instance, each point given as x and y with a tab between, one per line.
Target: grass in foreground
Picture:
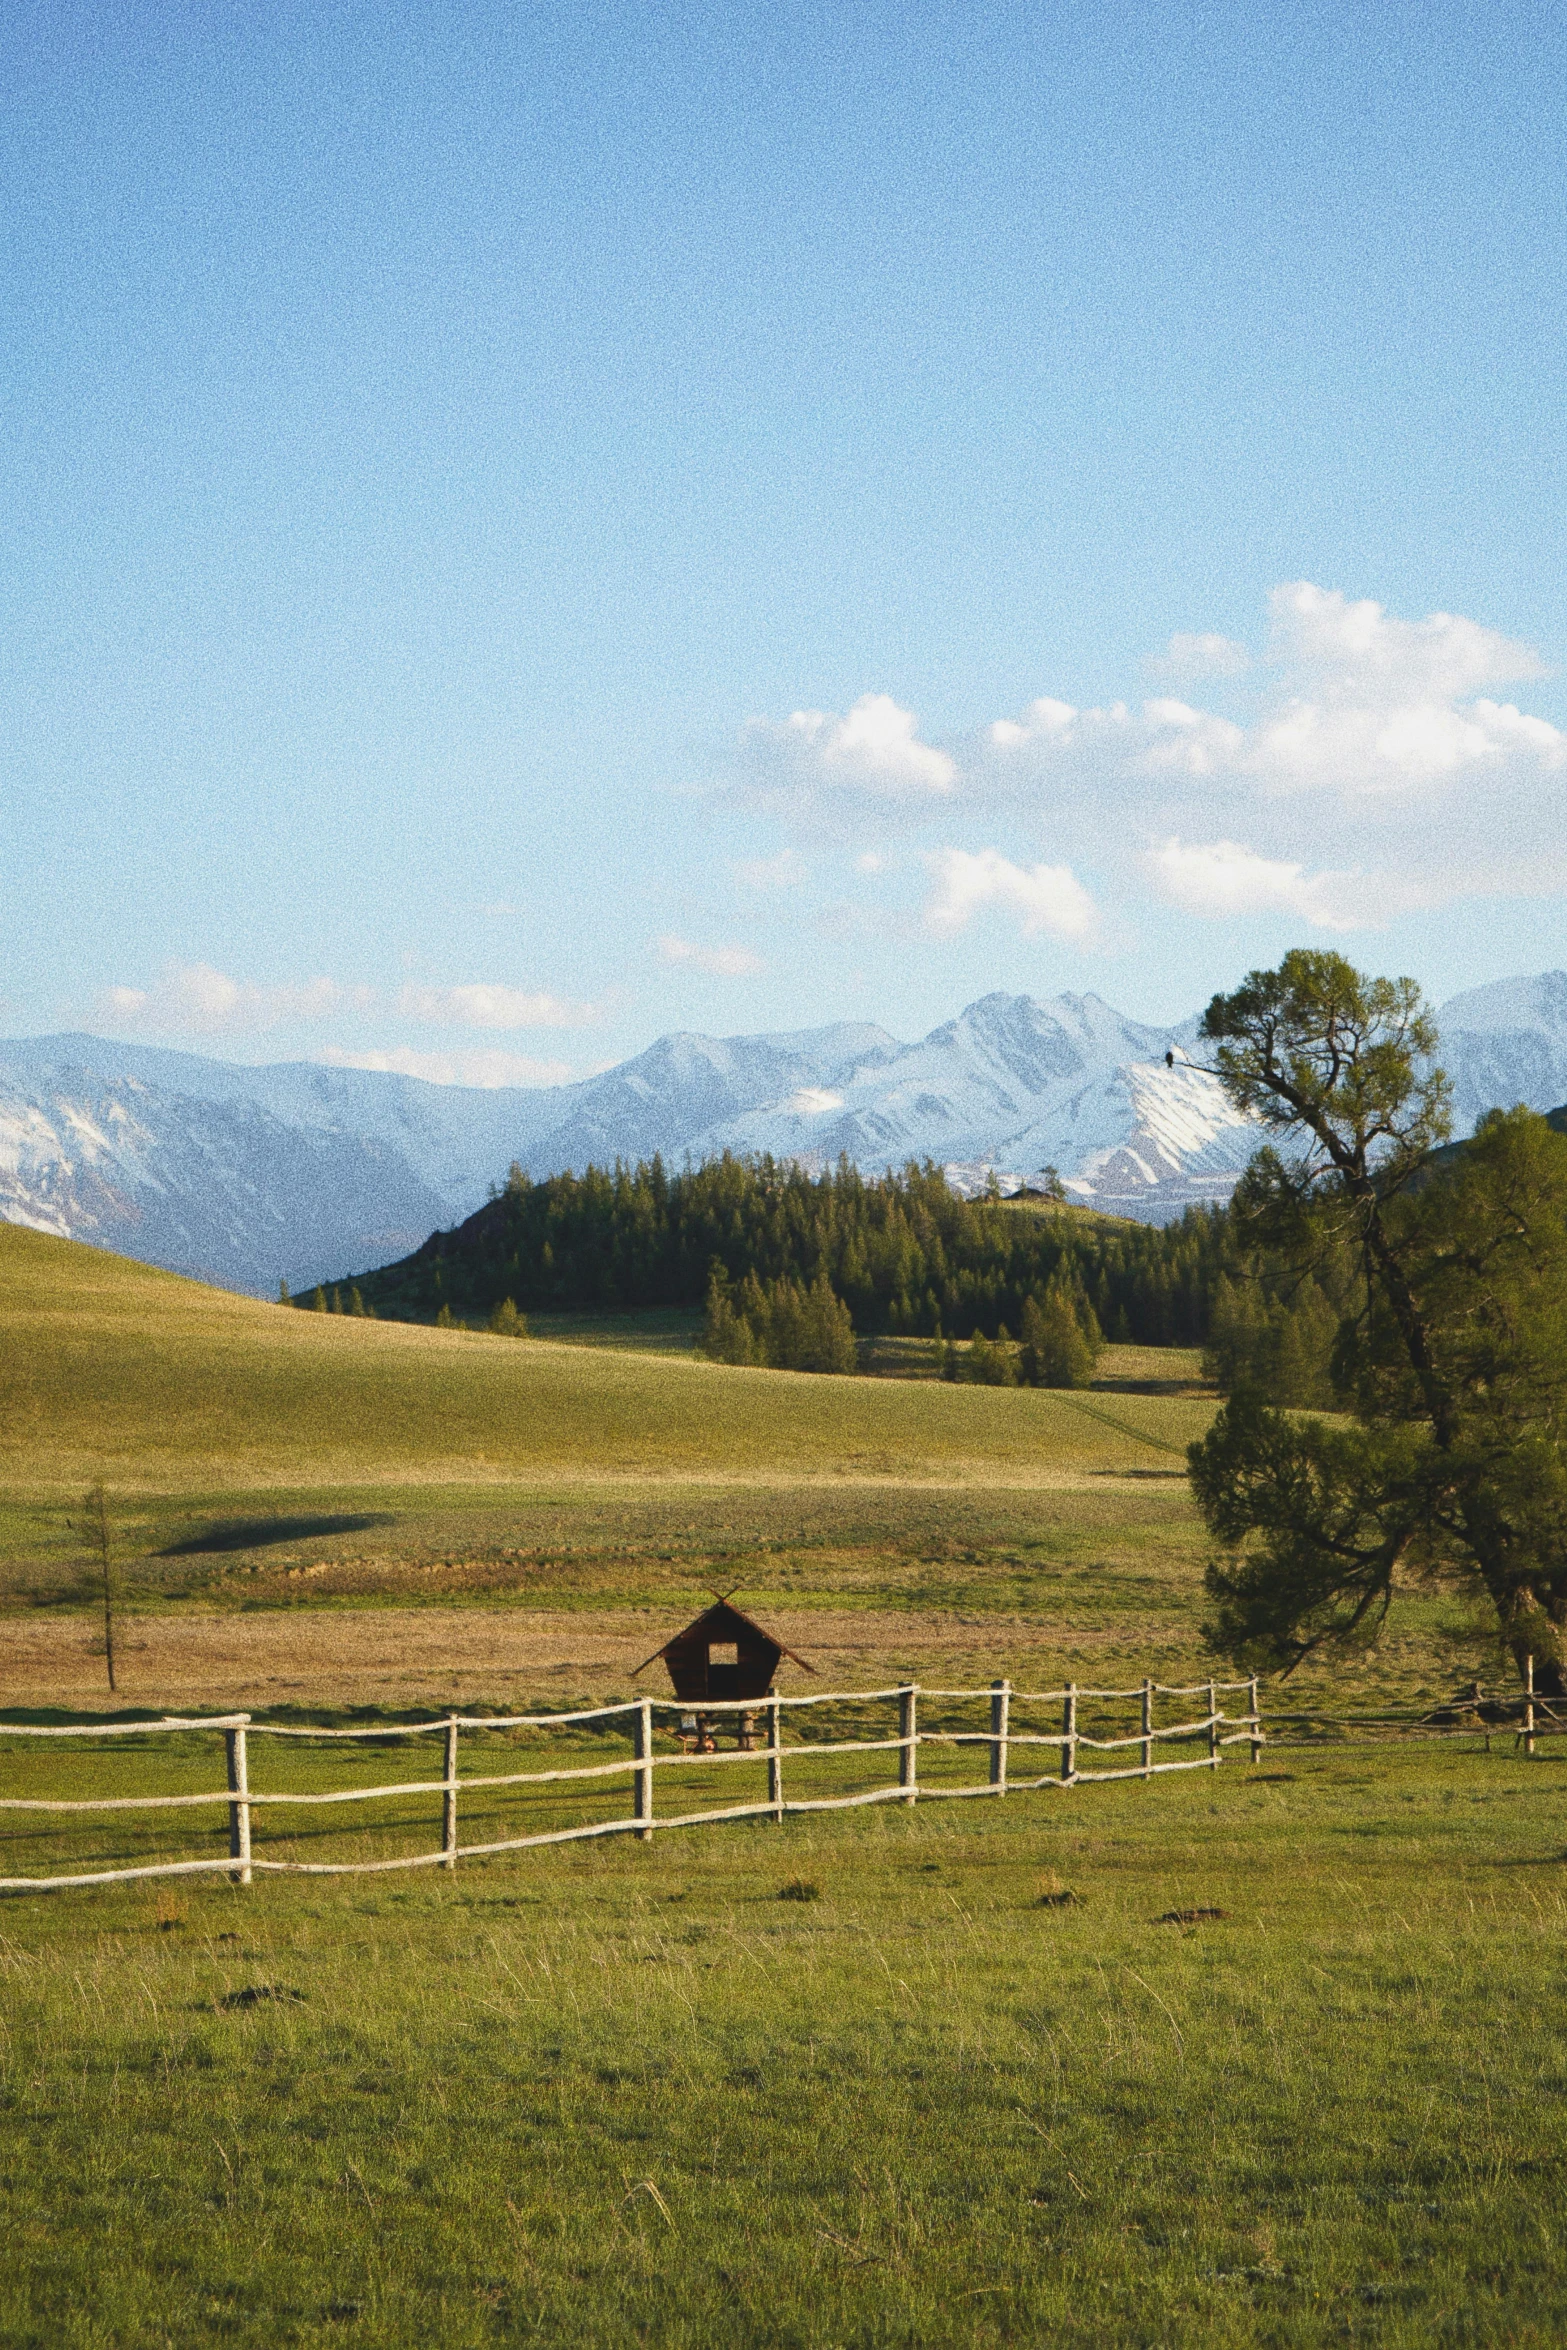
619	2093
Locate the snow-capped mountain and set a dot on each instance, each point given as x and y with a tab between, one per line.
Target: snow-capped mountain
224	1189
1016	1085
300	1173
1505	1043
247	1176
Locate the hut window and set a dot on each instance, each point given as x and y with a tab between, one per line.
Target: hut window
723	1652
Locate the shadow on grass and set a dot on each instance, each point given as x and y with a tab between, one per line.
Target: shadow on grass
257	1533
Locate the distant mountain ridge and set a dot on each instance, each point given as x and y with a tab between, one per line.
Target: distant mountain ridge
1506	1043
306	1173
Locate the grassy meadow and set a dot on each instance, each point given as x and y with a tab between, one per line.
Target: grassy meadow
974	2073
291	1491
157	1383
265	1462
629	2093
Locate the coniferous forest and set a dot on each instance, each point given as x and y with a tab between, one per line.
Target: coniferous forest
902	1253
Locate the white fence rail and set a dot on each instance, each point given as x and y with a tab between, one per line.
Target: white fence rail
1212	1728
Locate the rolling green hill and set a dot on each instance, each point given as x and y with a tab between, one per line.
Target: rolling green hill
112	1369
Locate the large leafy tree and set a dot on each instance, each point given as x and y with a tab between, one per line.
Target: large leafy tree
1449	1461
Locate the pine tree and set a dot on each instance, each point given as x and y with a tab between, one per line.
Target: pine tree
283	1297
1307	1331
1031	1358
318	1302
506	1322
443	1320
829	1332
1058	1350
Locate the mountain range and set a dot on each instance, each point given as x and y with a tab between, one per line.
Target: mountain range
246	1176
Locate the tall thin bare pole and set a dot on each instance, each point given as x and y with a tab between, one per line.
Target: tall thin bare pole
775	1757
642	1776
98	1531
908	1744
1000	1704
449	1798
239	1805
1528	1714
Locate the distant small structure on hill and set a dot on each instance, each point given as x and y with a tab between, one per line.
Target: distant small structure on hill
723	1657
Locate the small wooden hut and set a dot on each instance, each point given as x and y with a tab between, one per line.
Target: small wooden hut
722	1656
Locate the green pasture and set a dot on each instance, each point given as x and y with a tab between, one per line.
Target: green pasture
1268	2055
159	1384
262	1459
980	2084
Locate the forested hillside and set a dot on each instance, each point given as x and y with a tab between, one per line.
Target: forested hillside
904	1253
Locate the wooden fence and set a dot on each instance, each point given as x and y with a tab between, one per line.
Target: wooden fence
1001	1739
1526	1718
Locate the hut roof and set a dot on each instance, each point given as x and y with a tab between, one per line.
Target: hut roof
720	1620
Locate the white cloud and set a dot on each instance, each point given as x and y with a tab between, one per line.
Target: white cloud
1368	739
1358	649
718	962
483	1004
871	861
1365	766
194	999
1201	656
1365	707
812	1101
1087	747
875	749
1221	878
489	1068
1046	898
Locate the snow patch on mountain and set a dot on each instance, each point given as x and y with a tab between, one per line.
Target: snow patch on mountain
1505	1043
220	1189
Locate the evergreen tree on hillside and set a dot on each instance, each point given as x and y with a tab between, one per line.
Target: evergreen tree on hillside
1058	1350
1450	1467
780	1324
900	1252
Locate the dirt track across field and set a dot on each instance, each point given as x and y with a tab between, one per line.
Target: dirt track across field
364	1656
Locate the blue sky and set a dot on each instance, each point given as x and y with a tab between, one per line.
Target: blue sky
528	526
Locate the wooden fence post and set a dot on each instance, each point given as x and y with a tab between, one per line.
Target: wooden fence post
1069	1735
908	1768
775	1757
449	1798
1000	1706
1147	1727
1213	1723
239	1808
1255	1719
643	1749
1528	1706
